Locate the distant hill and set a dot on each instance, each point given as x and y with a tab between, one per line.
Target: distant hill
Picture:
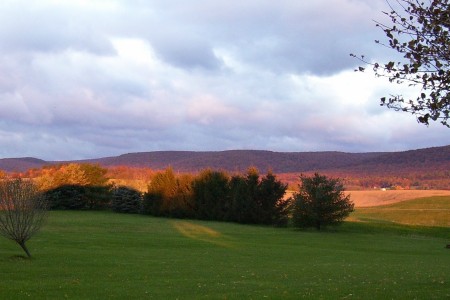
21	164
437	158
428	159
238	160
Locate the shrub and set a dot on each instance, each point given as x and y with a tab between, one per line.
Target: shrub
77	197
126	200
97	197
152	203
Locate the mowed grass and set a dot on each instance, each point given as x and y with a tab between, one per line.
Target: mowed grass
103	255
430	211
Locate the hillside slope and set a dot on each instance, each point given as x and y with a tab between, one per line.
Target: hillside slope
437	158
21	164
239	160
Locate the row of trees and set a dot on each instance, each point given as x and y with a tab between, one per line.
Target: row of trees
211	195
214	195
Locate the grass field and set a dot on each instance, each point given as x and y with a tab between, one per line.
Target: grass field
102	255
379	197
371	198
431	211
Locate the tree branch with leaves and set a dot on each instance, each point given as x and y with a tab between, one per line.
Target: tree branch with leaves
419	32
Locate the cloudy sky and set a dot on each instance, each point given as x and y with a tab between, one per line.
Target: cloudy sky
93	78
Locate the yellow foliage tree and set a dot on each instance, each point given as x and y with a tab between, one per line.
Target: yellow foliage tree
71	174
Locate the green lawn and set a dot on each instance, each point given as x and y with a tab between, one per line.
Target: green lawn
103	255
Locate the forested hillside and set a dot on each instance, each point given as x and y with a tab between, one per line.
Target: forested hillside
422	168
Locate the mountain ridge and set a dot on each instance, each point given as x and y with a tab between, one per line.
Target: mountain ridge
279	162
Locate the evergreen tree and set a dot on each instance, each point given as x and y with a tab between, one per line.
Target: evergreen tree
244	197
320	202
273	209
211	195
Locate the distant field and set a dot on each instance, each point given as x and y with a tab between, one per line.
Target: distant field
102	255
378	197
431	211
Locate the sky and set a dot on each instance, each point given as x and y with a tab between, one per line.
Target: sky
94	78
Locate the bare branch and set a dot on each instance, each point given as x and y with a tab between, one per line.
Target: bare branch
22	211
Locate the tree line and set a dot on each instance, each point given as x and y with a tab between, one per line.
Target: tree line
247	198
209	195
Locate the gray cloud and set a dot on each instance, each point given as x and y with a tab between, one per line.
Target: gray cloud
186	52
296	36
43	26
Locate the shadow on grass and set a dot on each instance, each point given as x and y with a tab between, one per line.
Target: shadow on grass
387	227
370	226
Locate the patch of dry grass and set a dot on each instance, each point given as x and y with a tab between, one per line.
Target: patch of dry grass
378	197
